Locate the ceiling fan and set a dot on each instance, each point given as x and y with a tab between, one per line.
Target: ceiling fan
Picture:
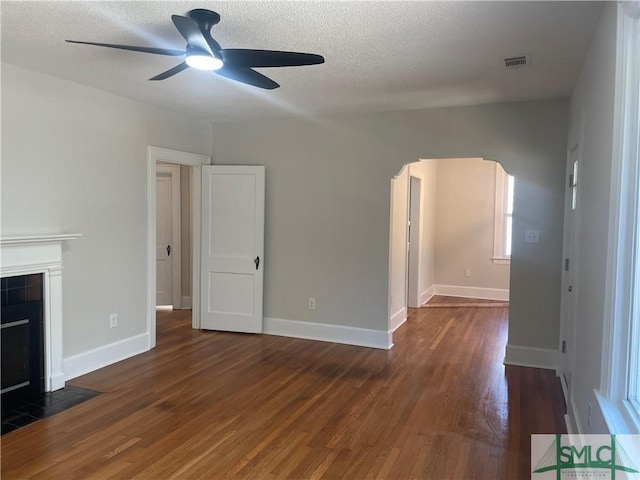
204	53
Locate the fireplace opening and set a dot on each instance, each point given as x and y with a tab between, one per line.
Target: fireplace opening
22	340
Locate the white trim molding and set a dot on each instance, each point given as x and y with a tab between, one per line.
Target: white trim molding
427	295
397	319
501	260
572	418
362	337
501	294
501	212
26	255
521	356
105	355
620	340
38	239
186	302
571	428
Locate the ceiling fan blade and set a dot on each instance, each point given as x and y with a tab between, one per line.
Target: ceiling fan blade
191	33
171	72
248	76
133	48
239	57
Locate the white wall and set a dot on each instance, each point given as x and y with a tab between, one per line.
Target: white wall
592	105
328	194
74	160
465	219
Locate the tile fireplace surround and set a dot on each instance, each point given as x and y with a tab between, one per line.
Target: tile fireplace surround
25	255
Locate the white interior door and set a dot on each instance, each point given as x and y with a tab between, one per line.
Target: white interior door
231	275
570	272
168	258
164	270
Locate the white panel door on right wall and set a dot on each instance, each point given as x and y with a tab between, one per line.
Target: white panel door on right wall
569	298
232	248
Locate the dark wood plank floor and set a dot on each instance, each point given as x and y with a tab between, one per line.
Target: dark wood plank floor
208	405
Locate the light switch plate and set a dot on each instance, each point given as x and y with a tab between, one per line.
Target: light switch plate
532	236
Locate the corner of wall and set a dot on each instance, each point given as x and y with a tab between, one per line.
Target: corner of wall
522	356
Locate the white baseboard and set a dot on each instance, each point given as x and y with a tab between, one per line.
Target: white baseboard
97	358
569	420
571	428
426	295
398	319
472	292
186	303
362	337
531	357
573	419
57	381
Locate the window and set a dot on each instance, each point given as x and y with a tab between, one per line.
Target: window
620	390
629	151
503	220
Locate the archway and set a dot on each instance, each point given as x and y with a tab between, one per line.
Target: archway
463	233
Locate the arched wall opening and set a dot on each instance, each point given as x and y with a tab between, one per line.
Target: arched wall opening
449	228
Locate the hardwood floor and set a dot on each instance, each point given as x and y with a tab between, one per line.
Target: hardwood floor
209	405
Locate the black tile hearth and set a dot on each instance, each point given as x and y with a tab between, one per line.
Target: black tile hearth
47	404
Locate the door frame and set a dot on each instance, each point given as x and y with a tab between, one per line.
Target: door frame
414	250
194	160
570	276
176	257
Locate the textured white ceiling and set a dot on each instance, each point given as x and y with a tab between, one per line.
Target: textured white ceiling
384	55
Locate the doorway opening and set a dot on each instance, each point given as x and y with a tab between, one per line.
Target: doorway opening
193	162
450	233
172	227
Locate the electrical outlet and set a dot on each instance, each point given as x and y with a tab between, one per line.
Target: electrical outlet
312	304
467	273
113	320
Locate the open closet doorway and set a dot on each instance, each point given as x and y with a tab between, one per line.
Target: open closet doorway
450	233
171	260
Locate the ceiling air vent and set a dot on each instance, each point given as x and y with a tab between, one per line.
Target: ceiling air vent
516	62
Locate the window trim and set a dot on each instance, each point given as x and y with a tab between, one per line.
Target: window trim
499	224
623	260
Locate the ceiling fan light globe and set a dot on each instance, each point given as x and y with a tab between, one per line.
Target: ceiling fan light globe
204	62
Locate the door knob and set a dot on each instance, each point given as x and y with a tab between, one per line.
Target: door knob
257	262
168	250
570	288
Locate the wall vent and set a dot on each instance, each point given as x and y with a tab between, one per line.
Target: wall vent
516	62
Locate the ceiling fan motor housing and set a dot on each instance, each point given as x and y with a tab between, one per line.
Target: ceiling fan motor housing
205	19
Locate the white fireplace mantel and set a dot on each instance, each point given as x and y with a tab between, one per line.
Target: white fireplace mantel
29	254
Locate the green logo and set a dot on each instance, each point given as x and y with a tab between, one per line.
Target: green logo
583	457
